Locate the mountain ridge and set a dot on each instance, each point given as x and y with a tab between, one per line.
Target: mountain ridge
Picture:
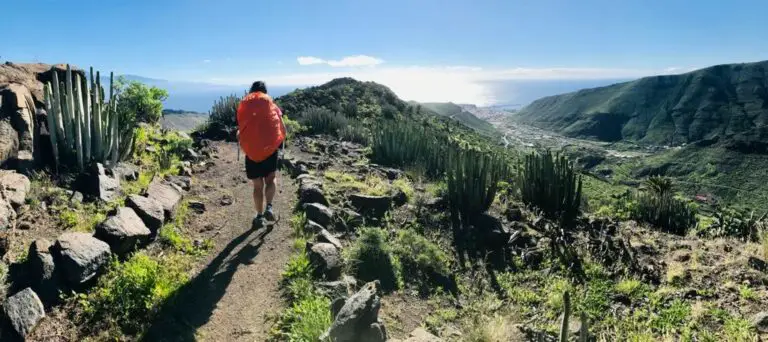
722	101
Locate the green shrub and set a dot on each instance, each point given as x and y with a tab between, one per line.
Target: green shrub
550	183
297	267
733	222
224	112
139	102
292	127
305	320
371	258
665	212
129	294
354	132
421	259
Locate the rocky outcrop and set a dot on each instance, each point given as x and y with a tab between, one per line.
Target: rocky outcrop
358	318
165	194
7	215
81	256
419	335
149	210
124	232
326	260
15	187
24	310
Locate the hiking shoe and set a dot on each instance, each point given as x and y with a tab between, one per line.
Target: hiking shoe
258	222
269	214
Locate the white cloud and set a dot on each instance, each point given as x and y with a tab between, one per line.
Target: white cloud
309	60
349	61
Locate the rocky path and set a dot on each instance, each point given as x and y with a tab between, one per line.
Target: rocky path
237	289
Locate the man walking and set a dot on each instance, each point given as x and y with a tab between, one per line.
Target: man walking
261	133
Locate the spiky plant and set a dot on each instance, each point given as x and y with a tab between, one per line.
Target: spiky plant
658	185
81	123
404	144
663	211
550	183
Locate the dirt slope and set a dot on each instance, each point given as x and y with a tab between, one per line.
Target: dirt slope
237	288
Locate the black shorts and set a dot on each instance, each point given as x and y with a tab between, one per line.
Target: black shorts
261	169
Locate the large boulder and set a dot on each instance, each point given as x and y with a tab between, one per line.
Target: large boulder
126	171
326	260
124	231
319	213
358	319
42	269
15	187
149	210
81	256
325	236
98	183
372	206
18	104
165	194
183	182
341	288
24	310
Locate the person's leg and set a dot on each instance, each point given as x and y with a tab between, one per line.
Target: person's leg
258	194
269	192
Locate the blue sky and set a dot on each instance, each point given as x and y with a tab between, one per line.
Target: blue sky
418	46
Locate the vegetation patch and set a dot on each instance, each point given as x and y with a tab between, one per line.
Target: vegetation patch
372	258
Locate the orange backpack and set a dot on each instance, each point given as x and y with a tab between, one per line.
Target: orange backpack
260	124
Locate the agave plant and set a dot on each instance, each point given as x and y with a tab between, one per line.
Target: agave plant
81	123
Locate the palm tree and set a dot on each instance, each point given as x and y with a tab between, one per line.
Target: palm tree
659	185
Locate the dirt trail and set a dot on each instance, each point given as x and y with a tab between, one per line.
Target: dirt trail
237	287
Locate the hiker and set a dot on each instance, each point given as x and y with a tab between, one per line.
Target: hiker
261	132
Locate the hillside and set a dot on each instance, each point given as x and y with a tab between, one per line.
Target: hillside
726	101
459	114
182	120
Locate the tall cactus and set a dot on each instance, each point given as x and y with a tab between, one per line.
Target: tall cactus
80	122
566	316
551	184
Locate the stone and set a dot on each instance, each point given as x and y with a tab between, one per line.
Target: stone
15	187
226	200
197	206
311	193
124	231
191	154
681	256
108	188
358	319
326	236
18	104
81	256
168	197
313	227
514	214
183	182
337	305
150	211
7	215
9	141
40	261
392	174
757	264
760	321
126	171
493	233
372	206
319	213
326	260
351	219
343	287
25	162
24	309
400	198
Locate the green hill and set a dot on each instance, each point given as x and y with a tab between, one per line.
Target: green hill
724	101
457	113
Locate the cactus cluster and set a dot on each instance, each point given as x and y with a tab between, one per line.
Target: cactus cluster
80	122
473	177
550	183
664	211
406	144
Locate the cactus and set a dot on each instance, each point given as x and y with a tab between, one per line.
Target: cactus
550	183
81	123
566	315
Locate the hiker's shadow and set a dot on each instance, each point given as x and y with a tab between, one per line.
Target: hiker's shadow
193	304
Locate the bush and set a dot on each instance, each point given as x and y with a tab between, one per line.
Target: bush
139	102
130	293
550	183
371	258
404	144
354	133
663	211
420	258
736	223
305	320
